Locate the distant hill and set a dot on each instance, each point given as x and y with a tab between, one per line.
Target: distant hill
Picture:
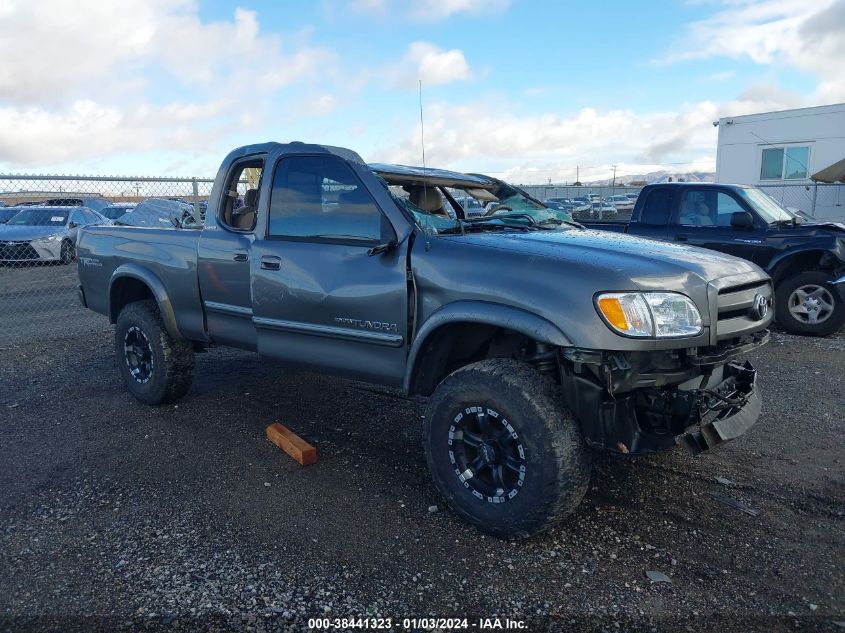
657	176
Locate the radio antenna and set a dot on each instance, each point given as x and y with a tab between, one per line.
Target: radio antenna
422	128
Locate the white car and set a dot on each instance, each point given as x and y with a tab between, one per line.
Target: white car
603	209
622	203
45	234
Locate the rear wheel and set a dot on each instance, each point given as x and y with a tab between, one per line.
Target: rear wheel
807	303
503	451
155	367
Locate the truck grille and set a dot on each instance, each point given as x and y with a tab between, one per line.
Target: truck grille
17	251
744	308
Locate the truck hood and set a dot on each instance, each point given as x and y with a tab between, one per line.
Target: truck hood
640	261
21	233
836	229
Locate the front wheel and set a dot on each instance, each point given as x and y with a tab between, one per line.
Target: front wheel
155	367
503	451
807	303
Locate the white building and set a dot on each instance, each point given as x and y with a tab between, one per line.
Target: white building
780	151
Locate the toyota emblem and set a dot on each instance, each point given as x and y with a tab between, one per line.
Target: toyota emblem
759	307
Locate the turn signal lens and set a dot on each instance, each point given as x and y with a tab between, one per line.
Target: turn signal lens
612	310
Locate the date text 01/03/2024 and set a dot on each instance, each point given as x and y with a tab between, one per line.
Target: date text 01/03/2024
416	624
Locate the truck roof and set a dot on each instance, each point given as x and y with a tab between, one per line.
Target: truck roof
429	176
698	184
292	147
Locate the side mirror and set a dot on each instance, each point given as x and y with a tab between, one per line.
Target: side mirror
72	225
742	220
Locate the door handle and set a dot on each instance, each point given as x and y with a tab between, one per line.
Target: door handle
680	238
241	256
269	262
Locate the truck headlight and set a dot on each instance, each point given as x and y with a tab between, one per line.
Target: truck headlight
649	314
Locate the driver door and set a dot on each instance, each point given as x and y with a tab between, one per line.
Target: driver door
704	219
321	298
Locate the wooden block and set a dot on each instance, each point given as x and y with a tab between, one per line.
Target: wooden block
292	444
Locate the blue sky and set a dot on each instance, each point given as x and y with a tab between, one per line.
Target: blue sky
527	89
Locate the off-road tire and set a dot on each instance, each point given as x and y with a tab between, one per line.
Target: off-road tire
556	459
66	252
172	361
790	323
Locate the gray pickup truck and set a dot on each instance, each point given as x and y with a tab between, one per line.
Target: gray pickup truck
535	339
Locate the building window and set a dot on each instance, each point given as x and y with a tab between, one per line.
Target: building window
785	163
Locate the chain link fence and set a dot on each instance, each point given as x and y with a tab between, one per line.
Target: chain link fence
819	201
816	200
40	219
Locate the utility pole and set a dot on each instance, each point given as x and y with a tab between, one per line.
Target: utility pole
614	179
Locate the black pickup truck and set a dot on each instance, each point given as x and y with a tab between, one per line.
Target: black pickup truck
806	259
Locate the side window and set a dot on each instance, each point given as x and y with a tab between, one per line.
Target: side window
240	198
77	218
707	208
657	207
321	197
726	206
90	217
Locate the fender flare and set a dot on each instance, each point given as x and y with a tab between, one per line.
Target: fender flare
483	313
775	266
162	299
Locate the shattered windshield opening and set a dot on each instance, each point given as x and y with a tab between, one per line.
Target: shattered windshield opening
515	211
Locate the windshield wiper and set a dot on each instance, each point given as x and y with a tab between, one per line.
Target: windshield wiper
503	217
497	222
557	222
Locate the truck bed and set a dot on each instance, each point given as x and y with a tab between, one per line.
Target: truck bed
169	255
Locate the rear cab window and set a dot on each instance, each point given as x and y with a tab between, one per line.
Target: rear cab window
657	208
239	208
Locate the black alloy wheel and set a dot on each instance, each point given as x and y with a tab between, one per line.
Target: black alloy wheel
138	353
487	454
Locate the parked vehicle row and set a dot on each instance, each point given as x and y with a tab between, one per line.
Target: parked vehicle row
46	231
593	205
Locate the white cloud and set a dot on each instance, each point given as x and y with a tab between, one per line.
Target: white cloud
490	135
434	10
433	65
77	78
428	10
86	130
809	36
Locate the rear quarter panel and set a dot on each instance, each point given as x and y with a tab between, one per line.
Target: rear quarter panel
169	255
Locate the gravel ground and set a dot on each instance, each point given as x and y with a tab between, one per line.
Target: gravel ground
184	517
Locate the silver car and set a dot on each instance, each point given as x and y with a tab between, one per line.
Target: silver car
45	234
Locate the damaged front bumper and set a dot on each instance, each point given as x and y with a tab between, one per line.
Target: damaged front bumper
729	411
717	405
